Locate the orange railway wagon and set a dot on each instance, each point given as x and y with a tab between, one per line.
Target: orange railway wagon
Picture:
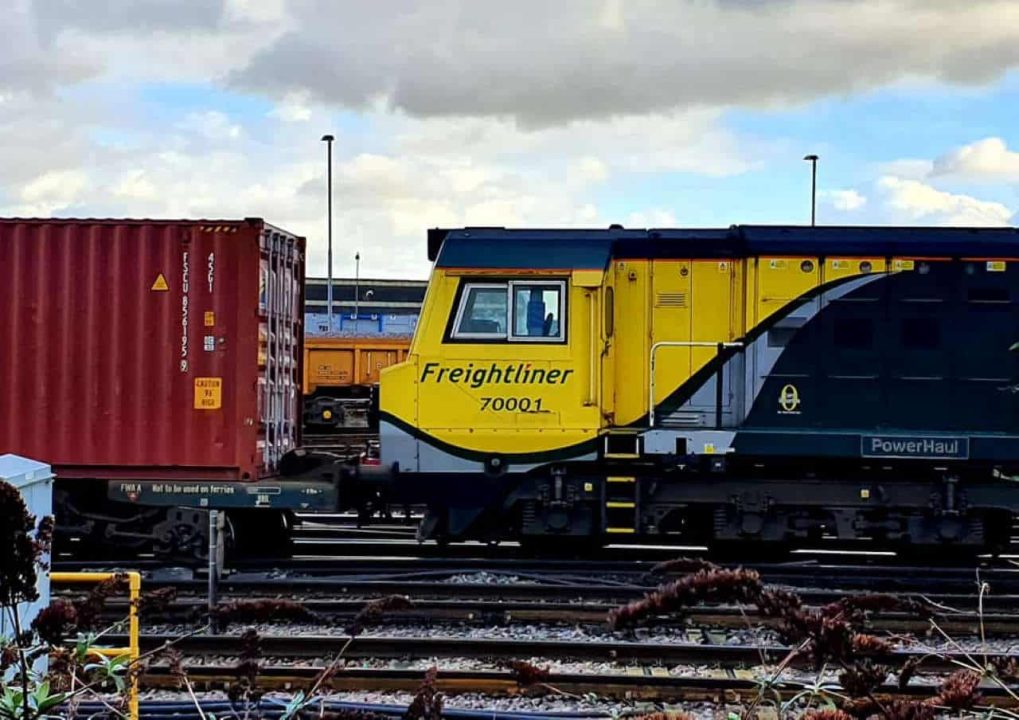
341	378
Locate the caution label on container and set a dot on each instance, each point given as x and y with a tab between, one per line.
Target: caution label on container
160	284
208	393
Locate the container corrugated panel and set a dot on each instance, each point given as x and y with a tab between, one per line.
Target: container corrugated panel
342	362
34	482
151	349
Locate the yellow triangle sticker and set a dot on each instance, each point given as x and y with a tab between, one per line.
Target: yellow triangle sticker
160	284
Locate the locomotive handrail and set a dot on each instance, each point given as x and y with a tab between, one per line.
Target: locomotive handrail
679	343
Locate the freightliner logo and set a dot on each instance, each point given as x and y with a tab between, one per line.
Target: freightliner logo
496	373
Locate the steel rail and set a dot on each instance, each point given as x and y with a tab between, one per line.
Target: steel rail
385	647
650	687
336	612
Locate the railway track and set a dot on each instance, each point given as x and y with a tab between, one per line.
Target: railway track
601	578
996	620
438	633
660	654
657	687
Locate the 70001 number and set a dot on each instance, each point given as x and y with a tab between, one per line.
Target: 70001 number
511	404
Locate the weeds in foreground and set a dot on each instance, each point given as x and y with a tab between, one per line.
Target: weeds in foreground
829	636
67	630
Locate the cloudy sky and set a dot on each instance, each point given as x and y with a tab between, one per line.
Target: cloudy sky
459	112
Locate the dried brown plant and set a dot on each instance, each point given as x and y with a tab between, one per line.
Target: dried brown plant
959	690
826	714
374	610
264	610
527	674
682	565
56	622
427	703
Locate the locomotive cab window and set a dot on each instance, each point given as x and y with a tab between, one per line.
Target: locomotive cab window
537	311
482	312
518	311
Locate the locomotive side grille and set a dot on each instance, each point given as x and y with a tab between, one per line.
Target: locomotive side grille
670	299
683	419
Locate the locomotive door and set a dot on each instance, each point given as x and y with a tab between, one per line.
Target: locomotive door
716	317
671	322
695	306
629	345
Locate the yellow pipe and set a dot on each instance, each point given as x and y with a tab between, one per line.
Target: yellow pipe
90	577
134	585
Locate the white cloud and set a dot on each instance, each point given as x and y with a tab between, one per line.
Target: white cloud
918	201
692	142
844	200
212	125
654	218
987	159
546	63
49	192
294	107
135	185
586	170
474	113
257	11
908	168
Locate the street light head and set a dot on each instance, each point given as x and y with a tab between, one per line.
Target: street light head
357	256
812	158
327	138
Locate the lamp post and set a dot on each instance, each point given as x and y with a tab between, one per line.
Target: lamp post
328	140
357	288
813	188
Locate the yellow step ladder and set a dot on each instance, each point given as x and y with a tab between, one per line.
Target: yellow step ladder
621	501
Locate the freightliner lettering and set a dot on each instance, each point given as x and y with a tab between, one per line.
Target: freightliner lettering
505	373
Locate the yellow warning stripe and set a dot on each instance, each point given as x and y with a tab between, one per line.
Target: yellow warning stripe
615	504
621	531
618	479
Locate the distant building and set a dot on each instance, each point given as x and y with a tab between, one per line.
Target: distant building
384	307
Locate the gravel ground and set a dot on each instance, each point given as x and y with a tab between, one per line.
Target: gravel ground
484	578
793	676
597	707
596	633
549	632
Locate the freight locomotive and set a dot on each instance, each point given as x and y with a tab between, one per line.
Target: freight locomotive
749	384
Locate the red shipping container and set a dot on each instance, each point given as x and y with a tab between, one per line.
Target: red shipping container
151	349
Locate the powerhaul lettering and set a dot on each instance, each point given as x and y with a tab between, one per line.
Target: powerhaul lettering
494	374
938	448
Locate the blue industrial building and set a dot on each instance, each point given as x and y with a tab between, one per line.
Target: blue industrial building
384	308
